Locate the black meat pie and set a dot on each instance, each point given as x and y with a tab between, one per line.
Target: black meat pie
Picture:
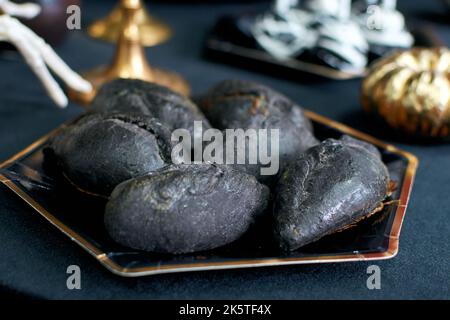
184	208
98	151
330	186
235	104
137	96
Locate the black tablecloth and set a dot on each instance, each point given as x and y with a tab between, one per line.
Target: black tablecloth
34	255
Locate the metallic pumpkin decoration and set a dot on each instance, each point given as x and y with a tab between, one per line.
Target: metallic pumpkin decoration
410	90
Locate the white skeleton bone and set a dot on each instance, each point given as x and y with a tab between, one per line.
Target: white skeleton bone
25	10
38	54
284	32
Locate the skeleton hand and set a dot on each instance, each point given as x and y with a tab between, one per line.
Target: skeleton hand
38	54
26	10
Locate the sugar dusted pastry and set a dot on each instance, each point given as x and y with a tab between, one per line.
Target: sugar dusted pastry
340	43
384	27
286	31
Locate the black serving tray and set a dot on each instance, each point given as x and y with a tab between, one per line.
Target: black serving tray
80	217
227	43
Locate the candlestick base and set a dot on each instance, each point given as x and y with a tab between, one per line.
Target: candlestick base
151	30
99	76
129	60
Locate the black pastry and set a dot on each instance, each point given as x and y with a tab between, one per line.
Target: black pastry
184	208
331	186
235	104
137	96
98	151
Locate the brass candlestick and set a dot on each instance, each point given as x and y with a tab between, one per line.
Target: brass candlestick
129	61
151	30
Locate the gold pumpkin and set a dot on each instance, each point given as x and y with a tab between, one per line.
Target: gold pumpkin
410	90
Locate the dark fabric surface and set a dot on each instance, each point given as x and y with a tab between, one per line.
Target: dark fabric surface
34	255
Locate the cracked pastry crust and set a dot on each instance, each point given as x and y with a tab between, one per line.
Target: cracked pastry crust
98	151
184	208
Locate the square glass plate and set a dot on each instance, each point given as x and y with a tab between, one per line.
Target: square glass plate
80	217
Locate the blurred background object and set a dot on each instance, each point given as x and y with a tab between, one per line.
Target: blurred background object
410	91
129	60
151	30
50	24
447	3
310	38
383	26
36	52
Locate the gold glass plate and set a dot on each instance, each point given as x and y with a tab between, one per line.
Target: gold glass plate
80	217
